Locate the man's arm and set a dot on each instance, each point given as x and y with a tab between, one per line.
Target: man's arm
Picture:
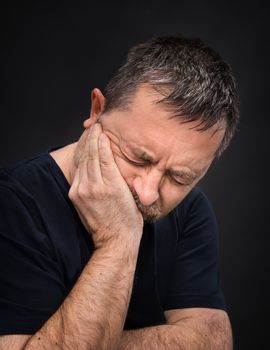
186	329
193	329
93	314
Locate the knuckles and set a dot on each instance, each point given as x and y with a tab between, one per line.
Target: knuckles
88	157
72	194
93	192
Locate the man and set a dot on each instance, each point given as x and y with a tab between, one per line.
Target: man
111	232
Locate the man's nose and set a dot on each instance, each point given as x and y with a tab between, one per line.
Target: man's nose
147	186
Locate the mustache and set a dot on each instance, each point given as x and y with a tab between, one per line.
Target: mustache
151	212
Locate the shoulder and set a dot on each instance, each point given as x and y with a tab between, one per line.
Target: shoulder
195	211
188	255
14	193
195	200
28	181
19	215
10	192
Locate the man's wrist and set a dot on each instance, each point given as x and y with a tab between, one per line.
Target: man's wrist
126	244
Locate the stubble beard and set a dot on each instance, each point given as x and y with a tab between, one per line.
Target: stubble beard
149	213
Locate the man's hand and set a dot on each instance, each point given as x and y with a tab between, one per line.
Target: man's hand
101	195
93	314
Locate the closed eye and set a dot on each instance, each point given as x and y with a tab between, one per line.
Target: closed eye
177	182
147	163
140	164
128	160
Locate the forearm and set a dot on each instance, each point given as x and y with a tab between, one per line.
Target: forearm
92	316
171	337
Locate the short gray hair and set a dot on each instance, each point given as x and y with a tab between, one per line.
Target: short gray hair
193	78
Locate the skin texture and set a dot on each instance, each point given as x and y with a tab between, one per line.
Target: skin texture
133	164
191	329
173	146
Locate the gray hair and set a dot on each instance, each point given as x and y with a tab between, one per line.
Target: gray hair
195	82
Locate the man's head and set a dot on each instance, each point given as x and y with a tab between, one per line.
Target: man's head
169	111
194	82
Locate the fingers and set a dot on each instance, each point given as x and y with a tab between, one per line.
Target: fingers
108	166
90	158
97	164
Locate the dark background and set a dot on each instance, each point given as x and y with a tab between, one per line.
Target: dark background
54	53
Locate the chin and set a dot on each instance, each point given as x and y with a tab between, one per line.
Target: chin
152	218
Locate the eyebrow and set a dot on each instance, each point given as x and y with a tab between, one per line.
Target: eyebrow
186	175
190	176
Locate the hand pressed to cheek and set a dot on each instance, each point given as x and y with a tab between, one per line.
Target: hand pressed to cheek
101	195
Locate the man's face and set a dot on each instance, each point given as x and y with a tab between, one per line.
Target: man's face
160	159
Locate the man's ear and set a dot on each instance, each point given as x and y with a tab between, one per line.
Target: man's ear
97	106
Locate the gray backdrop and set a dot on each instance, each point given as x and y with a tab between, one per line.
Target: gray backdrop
54	53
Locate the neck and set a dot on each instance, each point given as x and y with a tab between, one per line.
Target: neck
64	157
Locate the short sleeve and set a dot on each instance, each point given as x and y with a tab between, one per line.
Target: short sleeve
195	278
31	282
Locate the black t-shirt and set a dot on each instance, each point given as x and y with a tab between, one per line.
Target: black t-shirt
44	247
